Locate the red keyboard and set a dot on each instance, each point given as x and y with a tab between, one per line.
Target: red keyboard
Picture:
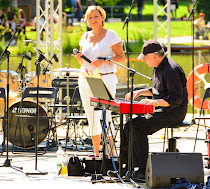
121	106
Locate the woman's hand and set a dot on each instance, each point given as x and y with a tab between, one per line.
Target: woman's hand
78	57
96	62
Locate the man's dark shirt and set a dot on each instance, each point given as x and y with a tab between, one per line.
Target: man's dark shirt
169	83
1	18
10	16
140	3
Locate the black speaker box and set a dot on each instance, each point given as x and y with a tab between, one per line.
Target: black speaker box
97	166
165	169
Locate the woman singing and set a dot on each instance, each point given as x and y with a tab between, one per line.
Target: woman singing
95	43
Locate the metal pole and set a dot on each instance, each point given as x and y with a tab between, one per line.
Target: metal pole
155	19
169	29
38	23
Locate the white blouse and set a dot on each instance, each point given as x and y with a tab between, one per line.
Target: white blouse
102	48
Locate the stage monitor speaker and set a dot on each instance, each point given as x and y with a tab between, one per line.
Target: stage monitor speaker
164	169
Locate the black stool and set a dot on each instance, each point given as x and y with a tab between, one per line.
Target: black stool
172	139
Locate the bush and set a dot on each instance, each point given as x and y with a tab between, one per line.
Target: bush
23	49
204	6
1	48
5	3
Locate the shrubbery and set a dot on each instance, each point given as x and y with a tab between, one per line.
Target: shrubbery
204	6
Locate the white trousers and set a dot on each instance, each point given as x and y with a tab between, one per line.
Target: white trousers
94	116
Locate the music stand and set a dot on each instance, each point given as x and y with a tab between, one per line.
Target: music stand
67	97
98	87
132	73
100	91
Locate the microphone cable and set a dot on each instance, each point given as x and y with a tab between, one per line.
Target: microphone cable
113	161
188	185
109	143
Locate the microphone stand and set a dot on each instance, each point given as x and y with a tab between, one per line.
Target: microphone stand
192	14
45	70
38	70
22	70
7	162
126	23
132	73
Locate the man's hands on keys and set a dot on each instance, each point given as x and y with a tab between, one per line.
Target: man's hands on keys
143	101
136	94
149	102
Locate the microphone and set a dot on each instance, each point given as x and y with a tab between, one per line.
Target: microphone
105	58
26	56
55	57
18	27
75	51
41	56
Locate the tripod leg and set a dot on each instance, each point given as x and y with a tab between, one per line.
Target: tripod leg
196	135
111	142
197	128
67	132
3	142
3	145
75	134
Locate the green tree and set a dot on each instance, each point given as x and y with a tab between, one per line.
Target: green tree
5	3
107	2
204	6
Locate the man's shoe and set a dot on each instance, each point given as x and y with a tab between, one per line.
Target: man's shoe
112	173
137	175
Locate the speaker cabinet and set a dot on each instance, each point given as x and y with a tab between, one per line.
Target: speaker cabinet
165	169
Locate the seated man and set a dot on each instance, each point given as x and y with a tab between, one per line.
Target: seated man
202	29
169	97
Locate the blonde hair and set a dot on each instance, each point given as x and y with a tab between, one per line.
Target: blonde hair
22	13
201	14
92	8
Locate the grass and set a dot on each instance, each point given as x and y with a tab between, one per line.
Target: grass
146	29
148	10
137	31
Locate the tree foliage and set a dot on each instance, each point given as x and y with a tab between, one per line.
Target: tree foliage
107	2
204	6
5	3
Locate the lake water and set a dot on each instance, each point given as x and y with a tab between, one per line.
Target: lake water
184	59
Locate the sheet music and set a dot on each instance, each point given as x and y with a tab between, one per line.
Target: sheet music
97	86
